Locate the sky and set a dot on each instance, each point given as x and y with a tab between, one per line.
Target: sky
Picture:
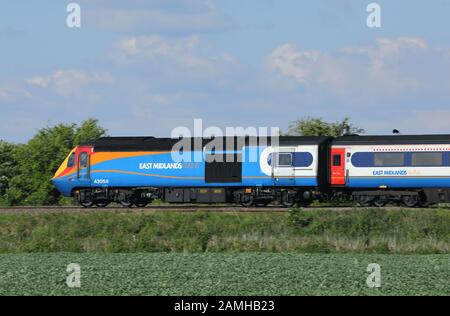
147	67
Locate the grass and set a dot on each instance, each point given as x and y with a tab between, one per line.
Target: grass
315	231
223	274
317	252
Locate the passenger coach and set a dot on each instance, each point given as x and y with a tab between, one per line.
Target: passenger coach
414	170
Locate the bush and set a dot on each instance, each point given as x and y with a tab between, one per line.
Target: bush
376	231
26	170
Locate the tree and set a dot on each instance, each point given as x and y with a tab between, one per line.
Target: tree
8	167
39	159
88	130
311	126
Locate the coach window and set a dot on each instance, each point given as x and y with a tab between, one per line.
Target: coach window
427	159
285	160
71	160
336	160
83	160
389	159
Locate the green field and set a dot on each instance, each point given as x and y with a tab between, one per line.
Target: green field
317	252
323	231
223	274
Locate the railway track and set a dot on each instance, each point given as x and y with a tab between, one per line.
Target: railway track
152	208
180	208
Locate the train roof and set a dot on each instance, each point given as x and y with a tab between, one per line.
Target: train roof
149	143
392	140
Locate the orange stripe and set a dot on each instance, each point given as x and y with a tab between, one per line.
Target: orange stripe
67	171
98	157
63	167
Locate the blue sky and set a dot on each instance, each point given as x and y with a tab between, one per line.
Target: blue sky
145	67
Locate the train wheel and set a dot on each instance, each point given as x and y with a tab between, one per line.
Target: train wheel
102	203
380	203
141	203
365	201
87	204
287	200
262	204
126	203
247	201
424	203
410	201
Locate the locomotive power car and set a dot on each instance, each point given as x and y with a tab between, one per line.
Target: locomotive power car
371	170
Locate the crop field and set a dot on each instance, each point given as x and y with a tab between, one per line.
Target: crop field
320	252
223	274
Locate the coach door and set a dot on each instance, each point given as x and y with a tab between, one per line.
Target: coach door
283	172
338	176
84	167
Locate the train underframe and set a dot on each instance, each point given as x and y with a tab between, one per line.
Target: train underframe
260	196
140	197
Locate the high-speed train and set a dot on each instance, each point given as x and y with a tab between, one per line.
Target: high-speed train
371	170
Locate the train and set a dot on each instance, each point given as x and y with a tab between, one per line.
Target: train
409	170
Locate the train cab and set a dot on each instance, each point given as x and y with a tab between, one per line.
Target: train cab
74	172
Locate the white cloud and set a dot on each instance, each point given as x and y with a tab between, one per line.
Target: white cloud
173	53
12	92
155	46
42	82
305	67
67	82
387	49
391	62
164	81
290	62
389	66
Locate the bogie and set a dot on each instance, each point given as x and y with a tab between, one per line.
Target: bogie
103	197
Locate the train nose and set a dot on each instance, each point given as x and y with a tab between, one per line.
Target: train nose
63	186
54	182
57	183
